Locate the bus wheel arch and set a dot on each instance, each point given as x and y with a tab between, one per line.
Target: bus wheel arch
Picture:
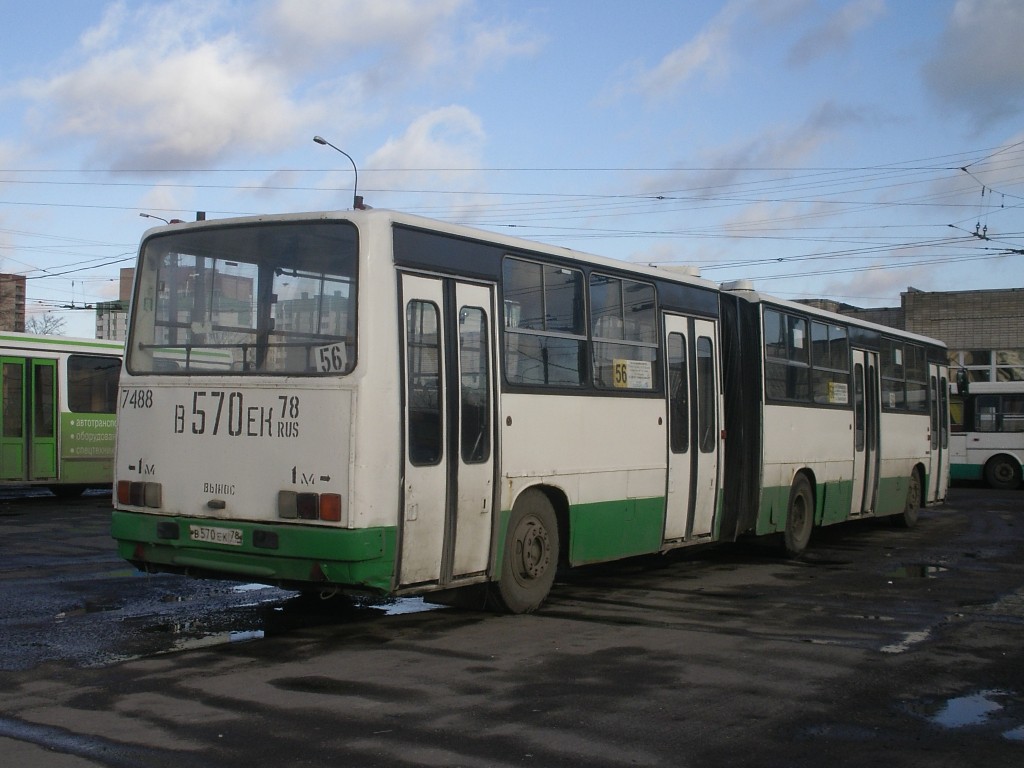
531	551
1003	472
799	516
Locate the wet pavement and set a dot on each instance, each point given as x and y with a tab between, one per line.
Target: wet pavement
880	647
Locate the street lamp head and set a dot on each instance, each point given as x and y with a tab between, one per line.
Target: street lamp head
357	200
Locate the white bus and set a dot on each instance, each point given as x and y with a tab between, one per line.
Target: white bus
416	407
57	416
988	433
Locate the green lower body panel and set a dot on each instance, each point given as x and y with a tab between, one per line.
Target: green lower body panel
87	472
832	503
613	529
295	555
966	471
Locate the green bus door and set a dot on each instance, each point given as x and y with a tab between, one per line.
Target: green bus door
28	419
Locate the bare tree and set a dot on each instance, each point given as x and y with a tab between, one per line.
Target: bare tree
45	325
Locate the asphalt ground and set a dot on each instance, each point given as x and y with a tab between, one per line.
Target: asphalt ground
880	647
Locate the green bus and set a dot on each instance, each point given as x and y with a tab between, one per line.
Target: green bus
57	419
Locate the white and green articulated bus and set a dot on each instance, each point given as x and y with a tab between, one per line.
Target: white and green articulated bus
57	418
372	402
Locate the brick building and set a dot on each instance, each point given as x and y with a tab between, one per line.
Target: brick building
12	302
984	330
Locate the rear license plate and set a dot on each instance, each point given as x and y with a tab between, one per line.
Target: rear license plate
211	535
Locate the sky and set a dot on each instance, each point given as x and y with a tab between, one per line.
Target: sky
843	149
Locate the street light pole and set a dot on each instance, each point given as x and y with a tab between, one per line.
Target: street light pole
151	216
357	201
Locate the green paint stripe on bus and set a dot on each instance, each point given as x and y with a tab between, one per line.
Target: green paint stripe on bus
833	502
966	471
609	530
361	559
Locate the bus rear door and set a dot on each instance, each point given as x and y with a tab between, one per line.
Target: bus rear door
449	402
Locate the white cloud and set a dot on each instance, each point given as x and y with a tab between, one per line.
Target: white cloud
394	42
449	137
155	92
837	30
189	84
977	68
707	54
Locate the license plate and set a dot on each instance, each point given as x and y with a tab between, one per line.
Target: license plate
211	535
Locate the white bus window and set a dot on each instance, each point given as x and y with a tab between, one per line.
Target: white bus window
1013	413
830	357
423	363
917	378
787	369
986	413
679	394
623	318
475	385
545	332
706	396
273	299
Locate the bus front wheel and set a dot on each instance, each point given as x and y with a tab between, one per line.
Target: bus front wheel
530	554
1003	473
799	517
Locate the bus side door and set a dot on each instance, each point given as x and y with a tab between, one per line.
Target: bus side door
866	412
13	458
938	464
449	406
694	416
28	423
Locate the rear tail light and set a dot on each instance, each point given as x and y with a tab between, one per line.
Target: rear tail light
139	494
309	506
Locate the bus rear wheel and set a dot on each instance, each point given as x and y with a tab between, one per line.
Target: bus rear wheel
912	506
530	554
799	517
1003	473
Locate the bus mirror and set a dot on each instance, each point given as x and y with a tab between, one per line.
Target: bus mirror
962	382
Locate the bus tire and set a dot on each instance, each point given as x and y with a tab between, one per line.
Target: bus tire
530	554
799	517
912	506
1003	473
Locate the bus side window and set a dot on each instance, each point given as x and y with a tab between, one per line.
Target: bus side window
679	394
986	413
1013	413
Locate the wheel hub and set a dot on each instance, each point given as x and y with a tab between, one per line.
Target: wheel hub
534	550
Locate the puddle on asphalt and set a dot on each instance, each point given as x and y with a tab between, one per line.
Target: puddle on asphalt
264	618
917	571
992	706
974	709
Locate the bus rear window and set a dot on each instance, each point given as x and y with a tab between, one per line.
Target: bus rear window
254	298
